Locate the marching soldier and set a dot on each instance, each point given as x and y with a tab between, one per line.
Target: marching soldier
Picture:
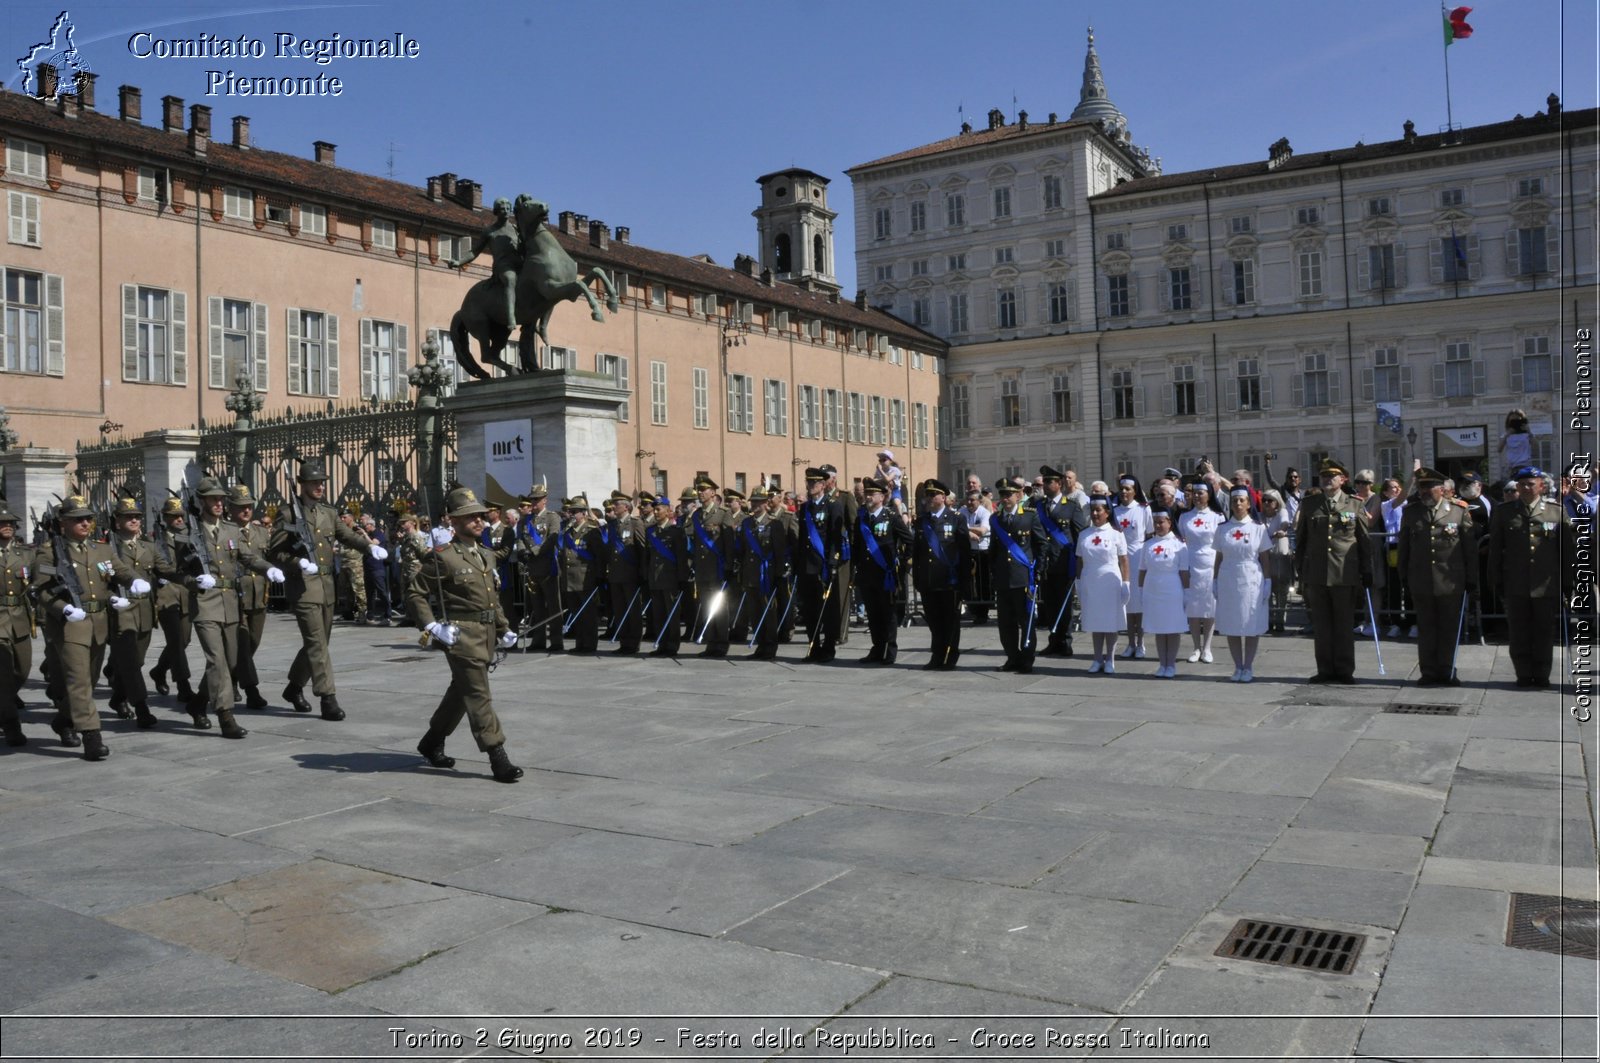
211	559
879	535
537	535
1062	519
761	545
310	585
131	628
669	577
1019	540
624	548
581	567
351	573
1333	560
17	623
1439	562
74	595
1530	551
824	538
710	545
253	595
460	575
172	609
941	559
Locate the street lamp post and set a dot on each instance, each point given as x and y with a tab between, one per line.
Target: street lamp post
1411	437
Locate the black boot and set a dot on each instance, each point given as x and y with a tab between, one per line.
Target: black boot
230	726
159	678
330	708
432	749
145	717
62	726
255	700
296	699
197	713
504	770
93	747
185	691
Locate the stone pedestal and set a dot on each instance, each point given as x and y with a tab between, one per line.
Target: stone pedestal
34	477
170	462
559	426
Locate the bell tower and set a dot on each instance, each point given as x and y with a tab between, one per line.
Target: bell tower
795	229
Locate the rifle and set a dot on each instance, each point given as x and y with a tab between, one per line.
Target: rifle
196	535
62	568
297	523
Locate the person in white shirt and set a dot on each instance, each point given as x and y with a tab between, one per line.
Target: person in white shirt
977	515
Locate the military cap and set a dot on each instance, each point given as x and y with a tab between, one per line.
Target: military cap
663	500
815	475
688	495
646	498
1007	486
536	492
934	487
705	483
1332	468
829	470
75	506
210	487
241	496
1051	474
312	470
621	496
578	502
463	503
1470	478
1528	472
127	507
1426	475
760	494
6	516
874	483
172	507
733	492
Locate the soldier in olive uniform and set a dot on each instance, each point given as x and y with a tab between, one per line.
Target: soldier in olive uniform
131	628
172	609
843	576
1333	560
1019	540
940	561
881	534
16	623
351	574
582	565
211	560
710	538
309	566
824	538
670	579
253	595
761	545
74	594
1531	547
459	575
1439	562
624	546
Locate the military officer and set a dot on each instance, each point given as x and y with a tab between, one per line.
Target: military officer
824	542
940	561
710	538
1018	541
74	595
537	540
351	574
582	566
253	595
735	603
669	578
1439	562
1333	560
459	576
623	543
131	628
881	535
761	545
172	608
17	623
1063	518
843	583
310	587
1531	548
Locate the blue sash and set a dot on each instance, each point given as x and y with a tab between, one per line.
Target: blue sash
707	544
998	530
875	551
660	546
531	530
936	548
753	541
569	543
1059	534
815	538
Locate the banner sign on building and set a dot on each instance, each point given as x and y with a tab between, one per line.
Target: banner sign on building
507	460
1466	442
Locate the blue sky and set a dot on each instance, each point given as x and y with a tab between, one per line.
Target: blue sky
660	115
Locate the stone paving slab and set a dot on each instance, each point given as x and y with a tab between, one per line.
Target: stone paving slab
1395	853
1374	806
1511	877
926	789
1264	773
1515	839
1177	870
1297	892
1508	754
702	816
51	950
1157	767
1138	806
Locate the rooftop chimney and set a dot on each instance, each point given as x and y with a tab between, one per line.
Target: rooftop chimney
1279	153
324	151
1553	102
966	127
434	189
623	233
241	131
85	81
600	234
1052	118
172	114
580	222
200	119
766	277
129	103
447	185
49	81
566	222
997	118
1410	130
1022	120
861	298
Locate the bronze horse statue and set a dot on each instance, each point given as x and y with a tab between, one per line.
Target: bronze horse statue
548	276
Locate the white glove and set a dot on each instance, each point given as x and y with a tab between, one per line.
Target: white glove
1124	591
274	574
119	604
442	536
444	633
205	581
379	553
308	566
139	586
508	640
74	614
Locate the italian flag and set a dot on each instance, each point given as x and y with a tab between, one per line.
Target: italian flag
1455	26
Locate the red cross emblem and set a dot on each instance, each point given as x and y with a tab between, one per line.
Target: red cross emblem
1158	551
1199	522
1238	535
1095	541
1126	523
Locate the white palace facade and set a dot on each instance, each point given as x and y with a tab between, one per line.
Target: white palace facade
1108	316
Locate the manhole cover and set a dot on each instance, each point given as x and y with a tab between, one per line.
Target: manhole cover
1413	708
407	659
1554	924
1309	948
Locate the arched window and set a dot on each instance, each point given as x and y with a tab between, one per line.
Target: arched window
819	258
781	253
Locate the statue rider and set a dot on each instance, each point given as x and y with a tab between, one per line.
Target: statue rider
503	241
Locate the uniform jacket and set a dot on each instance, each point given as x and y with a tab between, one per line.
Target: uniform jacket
1331	546
460	577
624	546
1071	518
947	568
663	572
1530	549
761	544
146	563
253	584
285	550
170	591
714	564
827	516
1438	548
100	575
580	574
892	536
17	576
1026	531
229	554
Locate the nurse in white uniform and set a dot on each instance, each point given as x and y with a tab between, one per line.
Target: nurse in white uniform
1198	529
1241	584
1163	581
1103	589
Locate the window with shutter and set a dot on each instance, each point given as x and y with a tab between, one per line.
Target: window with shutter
294	353
22	216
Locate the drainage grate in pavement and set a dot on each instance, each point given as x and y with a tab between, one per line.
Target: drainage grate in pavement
408	658
1554	924
1287	945
1415	708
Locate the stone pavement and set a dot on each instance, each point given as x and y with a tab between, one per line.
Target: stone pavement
748	860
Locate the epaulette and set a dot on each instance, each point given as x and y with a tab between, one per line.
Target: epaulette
1460	503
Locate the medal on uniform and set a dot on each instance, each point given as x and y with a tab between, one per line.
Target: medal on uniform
105	568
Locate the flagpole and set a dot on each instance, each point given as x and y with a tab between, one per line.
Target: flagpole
1449	118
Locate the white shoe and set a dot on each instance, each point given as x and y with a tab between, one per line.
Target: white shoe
1247	676
1127	653
1111	666
1205	655
1194	657
1095	666
1139	651
1412	633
